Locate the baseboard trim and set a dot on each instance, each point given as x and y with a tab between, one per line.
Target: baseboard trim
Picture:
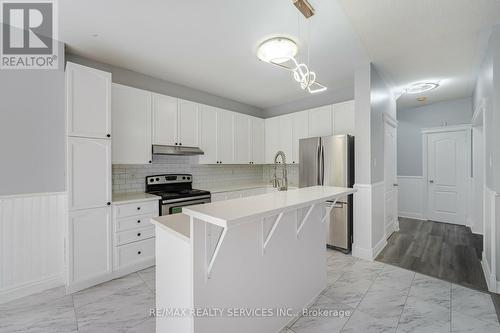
30	288
410	215
122	271
369	254
491	282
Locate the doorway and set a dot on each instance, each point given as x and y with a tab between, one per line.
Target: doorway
390	176
446	173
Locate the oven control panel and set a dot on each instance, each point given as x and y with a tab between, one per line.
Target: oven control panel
168	179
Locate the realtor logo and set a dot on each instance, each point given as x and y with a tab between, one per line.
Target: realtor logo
29	35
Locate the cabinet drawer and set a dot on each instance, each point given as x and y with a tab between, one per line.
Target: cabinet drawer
140	208
134	252
135	235
133	222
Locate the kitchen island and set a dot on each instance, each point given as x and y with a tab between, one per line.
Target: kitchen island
243	265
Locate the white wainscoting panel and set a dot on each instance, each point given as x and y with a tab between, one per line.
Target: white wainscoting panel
491	202
31	243
411	197
368	221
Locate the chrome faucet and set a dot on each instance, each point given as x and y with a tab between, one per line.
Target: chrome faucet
280	183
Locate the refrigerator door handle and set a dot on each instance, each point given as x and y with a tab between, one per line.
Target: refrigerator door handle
318	160
322	165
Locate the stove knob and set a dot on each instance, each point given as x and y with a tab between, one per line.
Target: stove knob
189	178
157	179
151	180
183	177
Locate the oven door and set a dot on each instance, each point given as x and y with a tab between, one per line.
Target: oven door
168	208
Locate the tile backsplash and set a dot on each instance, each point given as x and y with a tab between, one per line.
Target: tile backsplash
131	177
292	172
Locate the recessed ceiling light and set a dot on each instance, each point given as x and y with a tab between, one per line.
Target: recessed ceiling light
278	50
422	99
419	88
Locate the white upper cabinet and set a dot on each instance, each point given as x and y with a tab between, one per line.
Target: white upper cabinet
188	117
320	121
242	139
208	134
131	114
272	130
343	118
300	130
89	173
285	132
88	98
258	141
225	140
165	120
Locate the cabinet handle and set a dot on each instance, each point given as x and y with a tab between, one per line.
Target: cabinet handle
138	234
176	143
108	203
108	135
138	208
180	143
138	221
138	252
150	162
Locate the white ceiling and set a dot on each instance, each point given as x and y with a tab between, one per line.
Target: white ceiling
419	40
211	45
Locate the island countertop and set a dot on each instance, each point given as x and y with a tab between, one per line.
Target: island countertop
236	211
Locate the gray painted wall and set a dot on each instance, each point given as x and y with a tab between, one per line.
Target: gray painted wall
32	130
373	98
411	122
141	81
382	101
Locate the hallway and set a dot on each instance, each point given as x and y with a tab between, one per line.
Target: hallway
445	251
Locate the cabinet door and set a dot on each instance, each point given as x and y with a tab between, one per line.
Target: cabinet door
242	130
88	98
225	141
131	125
165	129
272	129
320	121
300	130
89	173
285	133
258	141
208	134
188	124
343	118
89	244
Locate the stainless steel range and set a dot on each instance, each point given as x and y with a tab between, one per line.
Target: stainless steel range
176	192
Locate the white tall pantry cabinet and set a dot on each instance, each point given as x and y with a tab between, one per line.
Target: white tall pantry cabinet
89	238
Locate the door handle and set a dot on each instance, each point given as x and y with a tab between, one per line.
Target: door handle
322	165
395	185
318	169
431	181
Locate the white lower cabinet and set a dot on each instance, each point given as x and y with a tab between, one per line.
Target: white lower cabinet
134	235
90	247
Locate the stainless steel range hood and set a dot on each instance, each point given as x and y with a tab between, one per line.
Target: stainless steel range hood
176	150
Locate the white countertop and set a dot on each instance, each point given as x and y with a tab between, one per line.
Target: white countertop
177	224
230	213
231	188
120	198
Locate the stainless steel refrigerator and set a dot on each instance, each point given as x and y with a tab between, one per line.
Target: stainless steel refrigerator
329	161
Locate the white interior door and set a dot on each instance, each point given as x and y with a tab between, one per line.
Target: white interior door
390	170
446	176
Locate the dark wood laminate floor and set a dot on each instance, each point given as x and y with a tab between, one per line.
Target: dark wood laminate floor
445	251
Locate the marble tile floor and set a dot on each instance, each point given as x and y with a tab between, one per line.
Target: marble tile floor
370	296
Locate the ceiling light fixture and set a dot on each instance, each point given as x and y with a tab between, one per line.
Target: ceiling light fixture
419	88
281	52
277	50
